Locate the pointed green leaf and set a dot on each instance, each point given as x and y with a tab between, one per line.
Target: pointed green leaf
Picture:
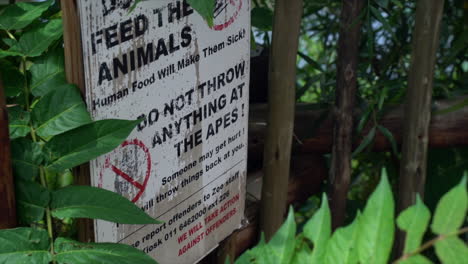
282	243
384	22
260	254
48	72
414	221
59	111
451	250
21	14
32	200
73	252
18	122
341	248
24	245
89	142
10	42
376	226
318	230
365	142
33	43
96	203
389	137
205	8
302	255
27	157
451	210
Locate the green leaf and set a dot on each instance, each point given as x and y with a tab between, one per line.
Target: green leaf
89	142
24	245
32	200
73	252
384	22
414	221
318	230
314	64
27	156
18	122
7	53
417	259
33	43
376	226
10	42
365	142
389	137
48	72
205	8
451	210
451	250
282	243
59	111
303	255
260	254
382	3
341	247
20	15
96	203
13	80
262	18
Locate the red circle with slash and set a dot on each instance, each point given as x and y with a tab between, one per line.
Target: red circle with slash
140	186
233	7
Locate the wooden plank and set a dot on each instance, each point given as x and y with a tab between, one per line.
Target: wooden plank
313	129
7	188
74	69
418	104
282	78
346	89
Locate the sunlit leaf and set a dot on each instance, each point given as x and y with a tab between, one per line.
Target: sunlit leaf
376	225
451	210
318	230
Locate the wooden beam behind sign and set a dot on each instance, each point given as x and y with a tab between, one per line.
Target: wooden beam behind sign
74	72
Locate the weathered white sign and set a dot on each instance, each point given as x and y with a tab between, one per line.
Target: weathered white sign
185	163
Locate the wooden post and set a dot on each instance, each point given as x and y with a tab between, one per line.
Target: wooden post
282	77
346	88
74	69
7	188
418	103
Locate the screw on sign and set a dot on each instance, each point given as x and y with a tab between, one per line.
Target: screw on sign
129	167
225	13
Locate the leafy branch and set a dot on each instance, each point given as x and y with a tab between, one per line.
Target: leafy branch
52	132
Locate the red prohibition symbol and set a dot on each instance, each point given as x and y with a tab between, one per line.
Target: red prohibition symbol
125	175
231	8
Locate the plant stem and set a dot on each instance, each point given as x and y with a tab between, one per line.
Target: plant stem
10	35
48	214
26	88
429	244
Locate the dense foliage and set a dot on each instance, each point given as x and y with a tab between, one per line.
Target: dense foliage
52	132
369	238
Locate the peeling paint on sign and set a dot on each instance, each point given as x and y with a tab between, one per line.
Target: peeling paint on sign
185	163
